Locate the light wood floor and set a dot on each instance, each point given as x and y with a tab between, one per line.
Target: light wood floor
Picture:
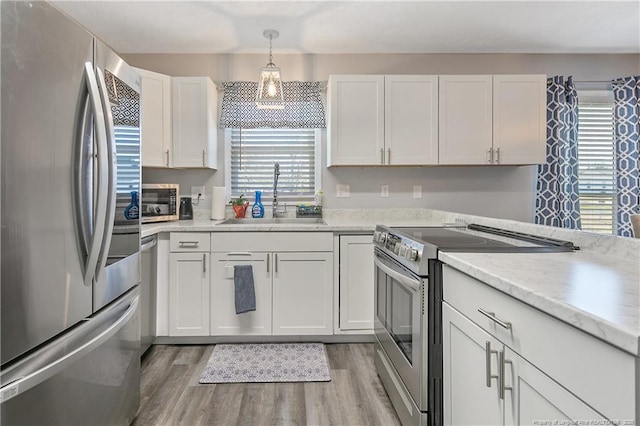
171	394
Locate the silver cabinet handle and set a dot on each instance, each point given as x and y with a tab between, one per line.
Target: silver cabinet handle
490	156
203	154
204	263
188	243
487	354
167	158
498	155
275	262
501	370
268	261
492	317
381	155
388	155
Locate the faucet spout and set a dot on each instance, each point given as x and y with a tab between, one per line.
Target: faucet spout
276	175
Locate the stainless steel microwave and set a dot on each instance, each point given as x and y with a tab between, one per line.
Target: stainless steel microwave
159	202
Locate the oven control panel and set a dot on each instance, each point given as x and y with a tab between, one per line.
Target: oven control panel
403	249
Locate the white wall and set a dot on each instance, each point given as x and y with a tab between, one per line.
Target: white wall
503	192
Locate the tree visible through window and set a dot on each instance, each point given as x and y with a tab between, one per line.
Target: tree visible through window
596	166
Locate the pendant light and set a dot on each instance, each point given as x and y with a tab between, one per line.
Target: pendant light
270	94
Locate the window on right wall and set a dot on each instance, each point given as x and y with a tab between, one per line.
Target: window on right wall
596	171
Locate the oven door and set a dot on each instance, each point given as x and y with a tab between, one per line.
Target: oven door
401	321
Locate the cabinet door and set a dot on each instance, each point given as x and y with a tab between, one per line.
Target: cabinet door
519	119
411	119
356	120
356	282
189	294
467	398
302	293
535	398
194	131
155	106
224	320
465	119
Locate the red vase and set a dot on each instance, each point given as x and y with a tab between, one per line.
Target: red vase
240	210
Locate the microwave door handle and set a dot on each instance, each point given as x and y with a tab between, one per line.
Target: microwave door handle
409	283
100	206
111	174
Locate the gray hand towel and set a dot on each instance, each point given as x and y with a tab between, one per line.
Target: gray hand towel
244	290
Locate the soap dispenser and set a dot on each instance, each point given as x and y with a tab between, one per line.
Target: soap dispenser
257	211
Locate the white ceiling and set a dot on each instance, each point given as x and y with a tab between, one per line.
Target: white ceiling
364	26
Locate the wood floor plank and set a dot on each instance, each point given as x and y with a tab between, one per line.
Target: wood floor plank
257	404
226	403
289	405
321	404
193	406
190	354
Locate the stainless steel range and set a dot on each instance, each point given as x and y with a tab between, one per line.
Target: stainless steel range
408	306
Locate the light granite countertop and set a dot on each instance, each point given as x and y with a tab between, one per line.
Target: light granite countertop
596	293
595	289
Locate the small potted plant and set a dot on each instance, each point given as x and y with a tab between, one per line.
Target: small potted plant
239	206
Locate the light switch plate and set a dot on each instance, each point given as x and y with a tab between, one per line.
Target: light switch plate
384	191
417	191
343	191
195	190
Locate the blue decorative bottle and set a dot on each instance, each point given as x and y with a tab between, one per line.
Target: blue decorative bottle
258	209
132	211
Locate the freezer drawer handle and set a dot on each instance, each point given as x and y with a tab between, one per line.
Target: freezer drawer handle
38	374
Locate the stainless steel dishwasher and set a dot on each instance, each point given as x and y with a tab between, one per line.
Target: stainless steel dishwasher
148	293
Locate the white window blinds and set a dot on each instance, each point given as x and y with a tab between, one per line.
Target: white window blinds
254	153
128	158
596	184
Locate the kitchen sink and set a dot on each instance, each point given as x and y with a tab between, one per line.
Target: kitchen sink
276	221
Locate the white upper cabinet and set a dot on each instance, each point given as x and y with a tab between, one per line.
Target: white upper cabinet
194	122
465	119
155	108
499	119
382	120
411	119
356	120
519	119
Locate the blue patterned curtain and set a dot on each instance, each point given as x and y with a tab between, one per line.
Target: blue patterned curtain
626	134
303	107
557	202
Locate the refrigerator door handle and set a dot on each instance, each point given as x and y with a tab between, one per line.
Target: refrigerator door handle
111	174
93	251
35	372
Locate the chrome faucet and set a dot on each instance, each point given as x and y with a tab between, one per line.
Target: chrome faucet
276	175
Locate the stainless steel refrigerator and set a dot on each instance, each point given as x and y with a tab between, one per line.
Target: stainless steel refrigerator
70	175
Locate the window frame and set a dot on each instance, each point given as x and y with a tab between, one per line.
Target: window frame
268	201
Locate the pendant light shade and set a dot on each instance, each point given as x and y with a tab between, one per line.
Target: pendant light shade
270	95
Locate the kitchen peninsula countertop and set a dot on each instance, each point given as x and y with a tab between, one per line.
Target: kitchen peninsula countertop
596	293
595	289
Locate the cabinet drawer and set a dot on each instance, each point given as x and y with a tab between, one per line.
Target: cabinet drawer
598	373
190	241
271	241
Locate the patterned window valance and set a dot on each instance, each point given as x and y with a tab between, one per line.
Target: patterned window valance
303	106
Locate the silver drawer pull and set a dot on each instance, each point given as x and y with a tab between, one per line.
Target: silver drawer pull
189	243
492	317
487	369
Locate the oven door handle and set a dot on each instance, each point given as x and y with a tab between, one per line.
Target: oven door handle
409	283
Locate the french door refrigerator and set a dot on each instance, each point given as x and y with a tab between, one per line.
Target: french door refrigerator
70	174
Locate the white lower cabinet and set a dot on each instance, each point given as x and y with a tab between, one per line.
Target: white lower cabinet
224	320
356	282
507	363
302	293
189	294
476	366
293	280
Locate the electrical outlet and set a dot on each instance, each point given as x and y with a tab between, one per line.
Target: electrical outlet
343	191
417	191
197	193
384	190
